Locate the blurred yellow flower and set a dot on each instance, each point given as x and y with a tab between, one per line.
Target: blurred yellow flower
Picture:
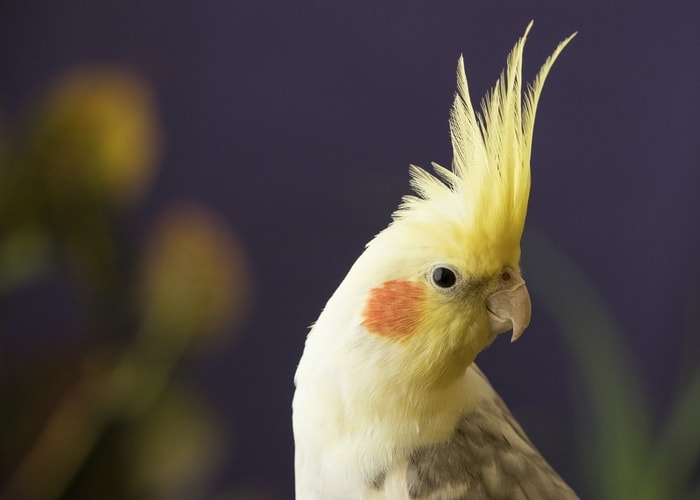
174	448
195	275
97	136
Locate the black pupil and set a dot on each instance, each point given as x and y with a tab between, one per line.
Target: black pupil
443	277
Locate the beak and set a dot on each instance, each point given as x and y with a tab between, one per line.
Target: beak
510	308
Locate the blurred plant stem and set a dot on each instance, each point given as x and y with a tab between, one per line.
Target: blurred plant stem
70	434
678	446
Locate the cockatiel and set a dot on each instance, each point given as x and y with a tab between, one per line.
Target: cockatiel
389	402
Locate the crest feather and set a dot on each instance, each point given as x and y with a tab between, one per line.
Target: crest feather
487	190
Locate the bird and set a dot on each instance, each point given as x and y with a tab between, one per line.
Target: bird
389	402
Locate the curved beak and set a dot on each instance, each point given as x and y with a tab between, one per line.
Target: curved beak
509	308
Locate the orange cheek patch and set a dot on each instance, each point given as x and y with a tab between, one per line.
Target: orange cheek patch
394	308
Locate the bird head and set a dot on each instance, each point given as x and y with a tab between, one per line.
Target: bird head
443	280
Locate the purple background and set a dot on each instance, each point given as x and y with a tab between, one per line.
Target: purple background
297	121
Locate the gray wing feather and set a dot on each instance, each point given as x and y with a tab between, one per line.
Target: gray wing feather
488	457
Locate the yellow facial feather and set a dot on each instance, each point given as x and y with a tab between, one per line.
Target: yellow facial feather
477	210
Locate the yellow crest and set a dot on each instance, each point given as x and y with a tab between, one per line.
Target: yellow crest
482	201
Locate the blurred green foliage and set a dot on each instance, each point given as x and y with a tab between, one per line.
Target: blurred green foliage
108	417
623	455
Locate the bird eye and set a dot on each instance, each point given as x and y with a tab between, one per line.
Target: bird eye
505	276
444	277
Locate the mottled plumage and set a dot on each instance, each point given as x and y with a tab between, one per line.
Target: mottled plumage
389	403
489	456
